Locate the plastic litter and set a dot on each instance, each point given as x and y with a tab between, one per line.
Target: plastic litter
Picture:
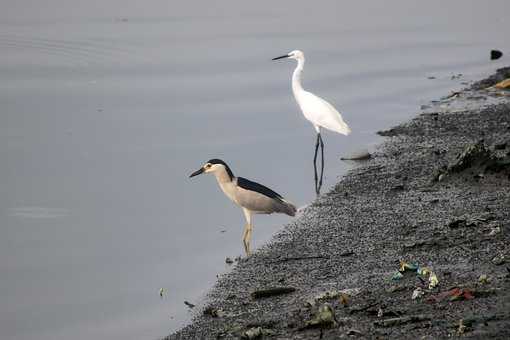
344	299
421	271
433	280
454	294
483	279
505	84
406	266
397	276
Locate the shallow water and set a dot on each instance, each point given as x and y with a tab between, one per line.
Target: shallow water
108	106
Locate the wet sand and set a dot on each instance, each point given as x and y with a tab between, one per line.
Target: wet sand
390	208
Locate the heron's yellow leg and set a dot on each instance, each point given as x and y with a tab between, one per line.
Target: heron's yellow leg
247	232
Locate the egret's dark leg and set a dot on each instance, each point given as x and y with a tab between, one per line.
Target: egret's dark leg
322	163
315	163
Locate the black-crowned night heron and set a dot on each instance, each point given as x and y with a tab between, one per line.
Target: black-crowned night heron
253	198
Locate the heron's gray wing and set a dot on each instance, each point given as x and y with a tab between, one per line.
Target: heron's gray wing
259	198
254	186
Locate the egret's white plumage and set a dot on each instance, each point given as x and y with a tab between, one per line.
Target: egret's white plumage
321	113
317	110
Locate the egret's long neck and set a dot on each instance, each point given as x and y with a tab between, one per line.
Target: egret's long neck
296	77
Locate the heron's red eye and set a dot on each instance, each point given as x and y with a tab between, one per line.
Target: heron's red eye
208	165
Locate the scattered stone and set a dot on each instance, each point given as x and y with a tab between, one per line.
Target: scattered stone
353	331
431	77
401	320
324	318
477	156
463	222
228	260
162	292
268	292
500	146
479	176
257	332
332	295
189	304
496	54
413	244
214	312
398	187
363	308
483	293
452	95
394	289
357	156
498	260
473	154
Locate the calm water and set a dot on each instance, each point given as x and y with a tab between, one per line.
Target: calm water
107	106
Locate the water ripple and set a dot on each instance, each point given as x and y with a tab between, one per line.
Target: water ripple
38	212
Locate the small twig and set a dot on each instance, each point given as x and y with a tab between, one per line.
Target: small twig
299	258
363	308
272	292
402	320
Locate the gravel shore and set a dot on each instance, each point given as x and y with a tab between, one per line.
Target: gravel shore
436	195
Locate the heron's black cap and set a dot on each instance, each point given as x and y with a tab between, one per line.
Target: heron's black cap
219	161
214	161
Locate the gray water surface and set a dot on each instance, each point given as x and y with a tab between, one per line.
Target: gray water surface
107	106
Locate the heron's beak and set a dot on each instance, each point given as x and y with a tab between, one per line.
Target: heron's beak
196	173
281	57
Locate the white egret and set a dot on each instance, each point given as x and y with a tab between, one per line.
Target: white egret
318	111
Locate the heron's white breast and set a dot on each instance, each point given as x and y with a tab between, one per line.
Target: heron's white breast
229	189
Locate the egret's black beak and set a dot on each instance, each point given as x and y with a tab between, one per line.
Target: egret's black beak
283	56
196	173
